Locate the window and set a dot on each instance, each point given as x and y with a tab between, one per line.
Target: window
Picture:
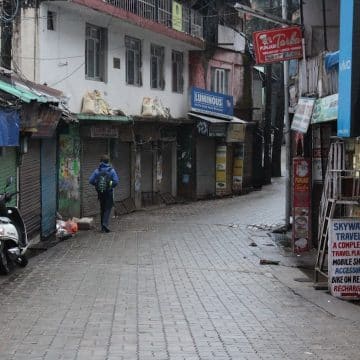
133	61
220	80
157	67
177	71
51	20
95	53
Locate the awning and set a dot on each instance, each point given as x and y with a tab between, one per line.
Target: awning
9	128
98	117
214	120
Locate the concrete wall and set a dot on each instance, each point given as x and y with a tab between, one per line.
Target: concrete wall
200	71
313	21
61	59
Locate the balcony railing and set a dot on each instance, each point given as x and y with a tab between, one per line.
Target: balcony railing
160	11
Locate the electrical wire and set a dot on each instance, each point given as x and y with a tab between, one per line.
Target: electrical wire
9	17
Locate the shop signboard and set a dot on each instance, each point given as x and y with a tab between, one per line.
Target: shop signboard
344	258
217	130
349	82
325	109
211	103
221	169
304	110
104	132
277	45
301	235
236	133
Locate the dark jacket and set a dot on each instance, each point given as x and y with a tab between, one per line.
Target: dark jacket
113	175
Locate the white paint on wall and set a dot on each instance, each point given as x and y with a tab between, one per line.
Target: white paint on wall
61	59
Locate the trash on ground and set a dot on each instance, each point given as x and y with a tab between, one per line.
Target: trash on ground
85	223
66	229
253	244
269	262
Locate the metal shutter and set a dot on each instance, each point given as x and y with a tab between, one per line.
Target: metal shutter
166	152
48	187
30	194
146	169
121	164
205	167
8	168
92	149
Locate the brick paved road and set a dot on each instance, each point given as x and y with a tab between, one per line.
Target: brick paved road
174	283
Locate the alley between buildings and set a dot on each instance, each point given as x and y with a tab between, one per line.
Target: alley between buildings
177	282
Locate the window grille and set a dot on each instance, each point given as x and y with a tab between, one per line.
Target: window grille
133	61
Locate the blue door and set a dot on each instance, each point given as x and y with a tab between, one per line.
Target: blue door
48	187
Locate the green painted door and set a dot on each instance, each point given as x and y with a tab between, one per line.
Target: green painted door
8	168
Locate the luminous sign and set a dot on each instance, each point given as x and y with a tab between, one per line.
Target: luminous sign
211	103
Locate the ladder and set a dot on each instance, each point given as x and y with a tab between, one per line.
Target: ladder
335	201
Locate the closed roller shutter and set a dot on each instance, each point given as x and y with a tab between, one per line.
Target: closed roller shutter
146	169
8	168
91	152
121	163
205	167
166	153
30	194
48	187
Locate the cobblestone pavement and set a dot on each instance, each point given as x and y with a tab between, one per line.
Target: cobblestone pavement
173	283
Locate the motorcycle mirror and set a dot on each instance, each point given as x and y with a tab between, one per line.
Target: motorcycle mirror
9	181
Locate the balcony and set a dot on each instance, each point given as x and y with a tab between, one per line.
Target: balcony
161	11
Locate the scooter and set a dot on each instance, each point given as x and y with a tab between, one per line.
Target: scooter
13	236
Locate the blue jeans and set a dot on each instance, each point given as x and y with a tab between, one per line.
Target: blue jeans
106	204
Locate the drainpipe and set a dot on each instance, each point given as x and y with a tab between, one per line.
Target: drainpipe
324	25
287	131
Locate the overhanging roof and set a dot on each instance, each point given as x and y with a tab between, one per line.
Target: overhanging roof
26	90
21	93
98	117
214	120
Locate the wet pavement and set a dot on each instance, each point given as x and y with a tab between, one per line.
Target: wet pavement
179	282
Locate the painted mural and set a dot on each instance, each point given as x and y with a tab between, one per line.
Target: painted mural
69	174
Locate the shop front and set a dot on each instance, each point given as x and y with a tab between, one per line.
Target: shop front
100	135
156	165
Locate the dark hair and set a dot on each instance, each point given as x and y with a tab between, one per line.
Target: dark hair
105	159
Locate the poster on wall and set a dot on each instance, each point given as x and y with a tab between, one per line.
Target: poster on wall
303	113
301	234
238	170
344	258
320	150
220	169
177	16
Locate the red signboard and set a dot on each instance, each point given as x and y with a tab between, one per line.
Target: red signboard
278	44
302	205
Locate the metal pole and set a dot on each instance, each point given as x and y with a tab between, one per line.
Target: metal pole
287	131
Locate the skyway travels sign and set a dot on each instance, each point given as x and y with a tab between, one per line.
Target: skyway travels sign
277	45
211	103
344	258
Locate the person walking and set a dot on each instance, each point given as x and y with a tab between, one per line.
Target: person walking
105	178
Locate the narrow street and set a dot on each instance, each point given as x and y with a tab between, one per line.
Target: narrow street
179	282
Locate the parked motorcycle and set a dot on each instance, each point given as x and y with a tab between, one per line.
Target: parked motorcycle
13	236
